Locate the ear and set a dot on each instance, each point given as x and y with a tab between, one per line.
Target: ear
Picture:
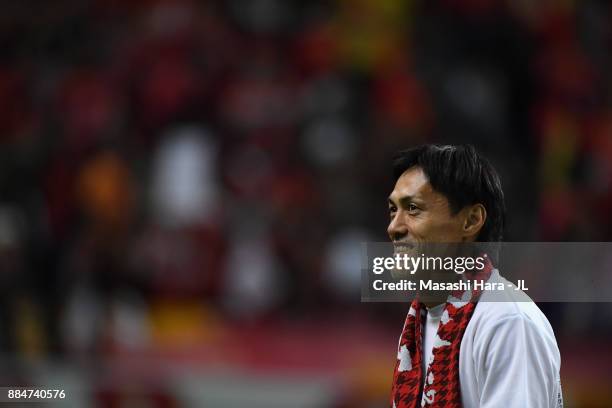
474	220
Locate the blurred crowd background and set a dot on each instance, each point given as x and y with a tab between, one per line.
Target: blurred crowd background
184	186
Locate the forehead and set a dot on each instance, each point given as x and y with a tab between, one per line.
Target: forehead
413	182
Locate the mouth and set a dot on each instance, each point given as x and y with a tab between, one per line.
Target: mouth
399	247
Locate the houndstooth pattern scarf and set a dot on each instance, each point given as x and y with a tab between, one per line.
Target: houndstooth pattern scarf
441	387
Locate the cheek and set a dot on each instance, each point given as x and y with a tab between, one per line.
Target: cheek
438	229
449	231
422	228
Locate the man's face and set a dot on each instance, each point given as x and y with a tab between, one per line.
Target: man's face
419	214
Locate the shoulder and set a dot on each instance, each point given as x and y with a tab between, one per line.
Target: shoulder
509	306
507	322
508	345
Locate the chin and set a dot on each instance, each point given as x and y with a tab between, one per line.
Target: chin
400	274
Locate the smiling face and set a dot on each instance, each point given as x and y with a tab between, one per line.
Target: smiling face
419	214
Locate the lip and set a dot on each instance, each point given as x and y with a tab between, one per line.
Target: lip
399	246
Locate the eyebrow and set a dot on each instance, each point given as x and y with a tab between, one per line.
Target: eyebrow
402	201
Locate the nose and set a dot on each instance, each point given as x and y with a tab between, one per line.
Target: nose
397	228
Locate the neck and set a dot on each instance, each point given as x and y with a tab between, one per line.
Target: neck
433	303
434	298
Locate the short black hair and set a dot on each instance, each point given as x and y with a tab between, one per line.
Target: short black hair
464	177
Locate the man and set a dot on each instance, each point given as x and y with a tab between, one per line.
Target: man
474	353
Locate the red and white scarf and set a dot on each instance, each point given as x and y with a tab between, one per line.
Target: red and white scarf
441	387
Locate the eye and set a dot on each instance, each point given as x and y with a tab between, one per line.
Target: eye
392	211
412	208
